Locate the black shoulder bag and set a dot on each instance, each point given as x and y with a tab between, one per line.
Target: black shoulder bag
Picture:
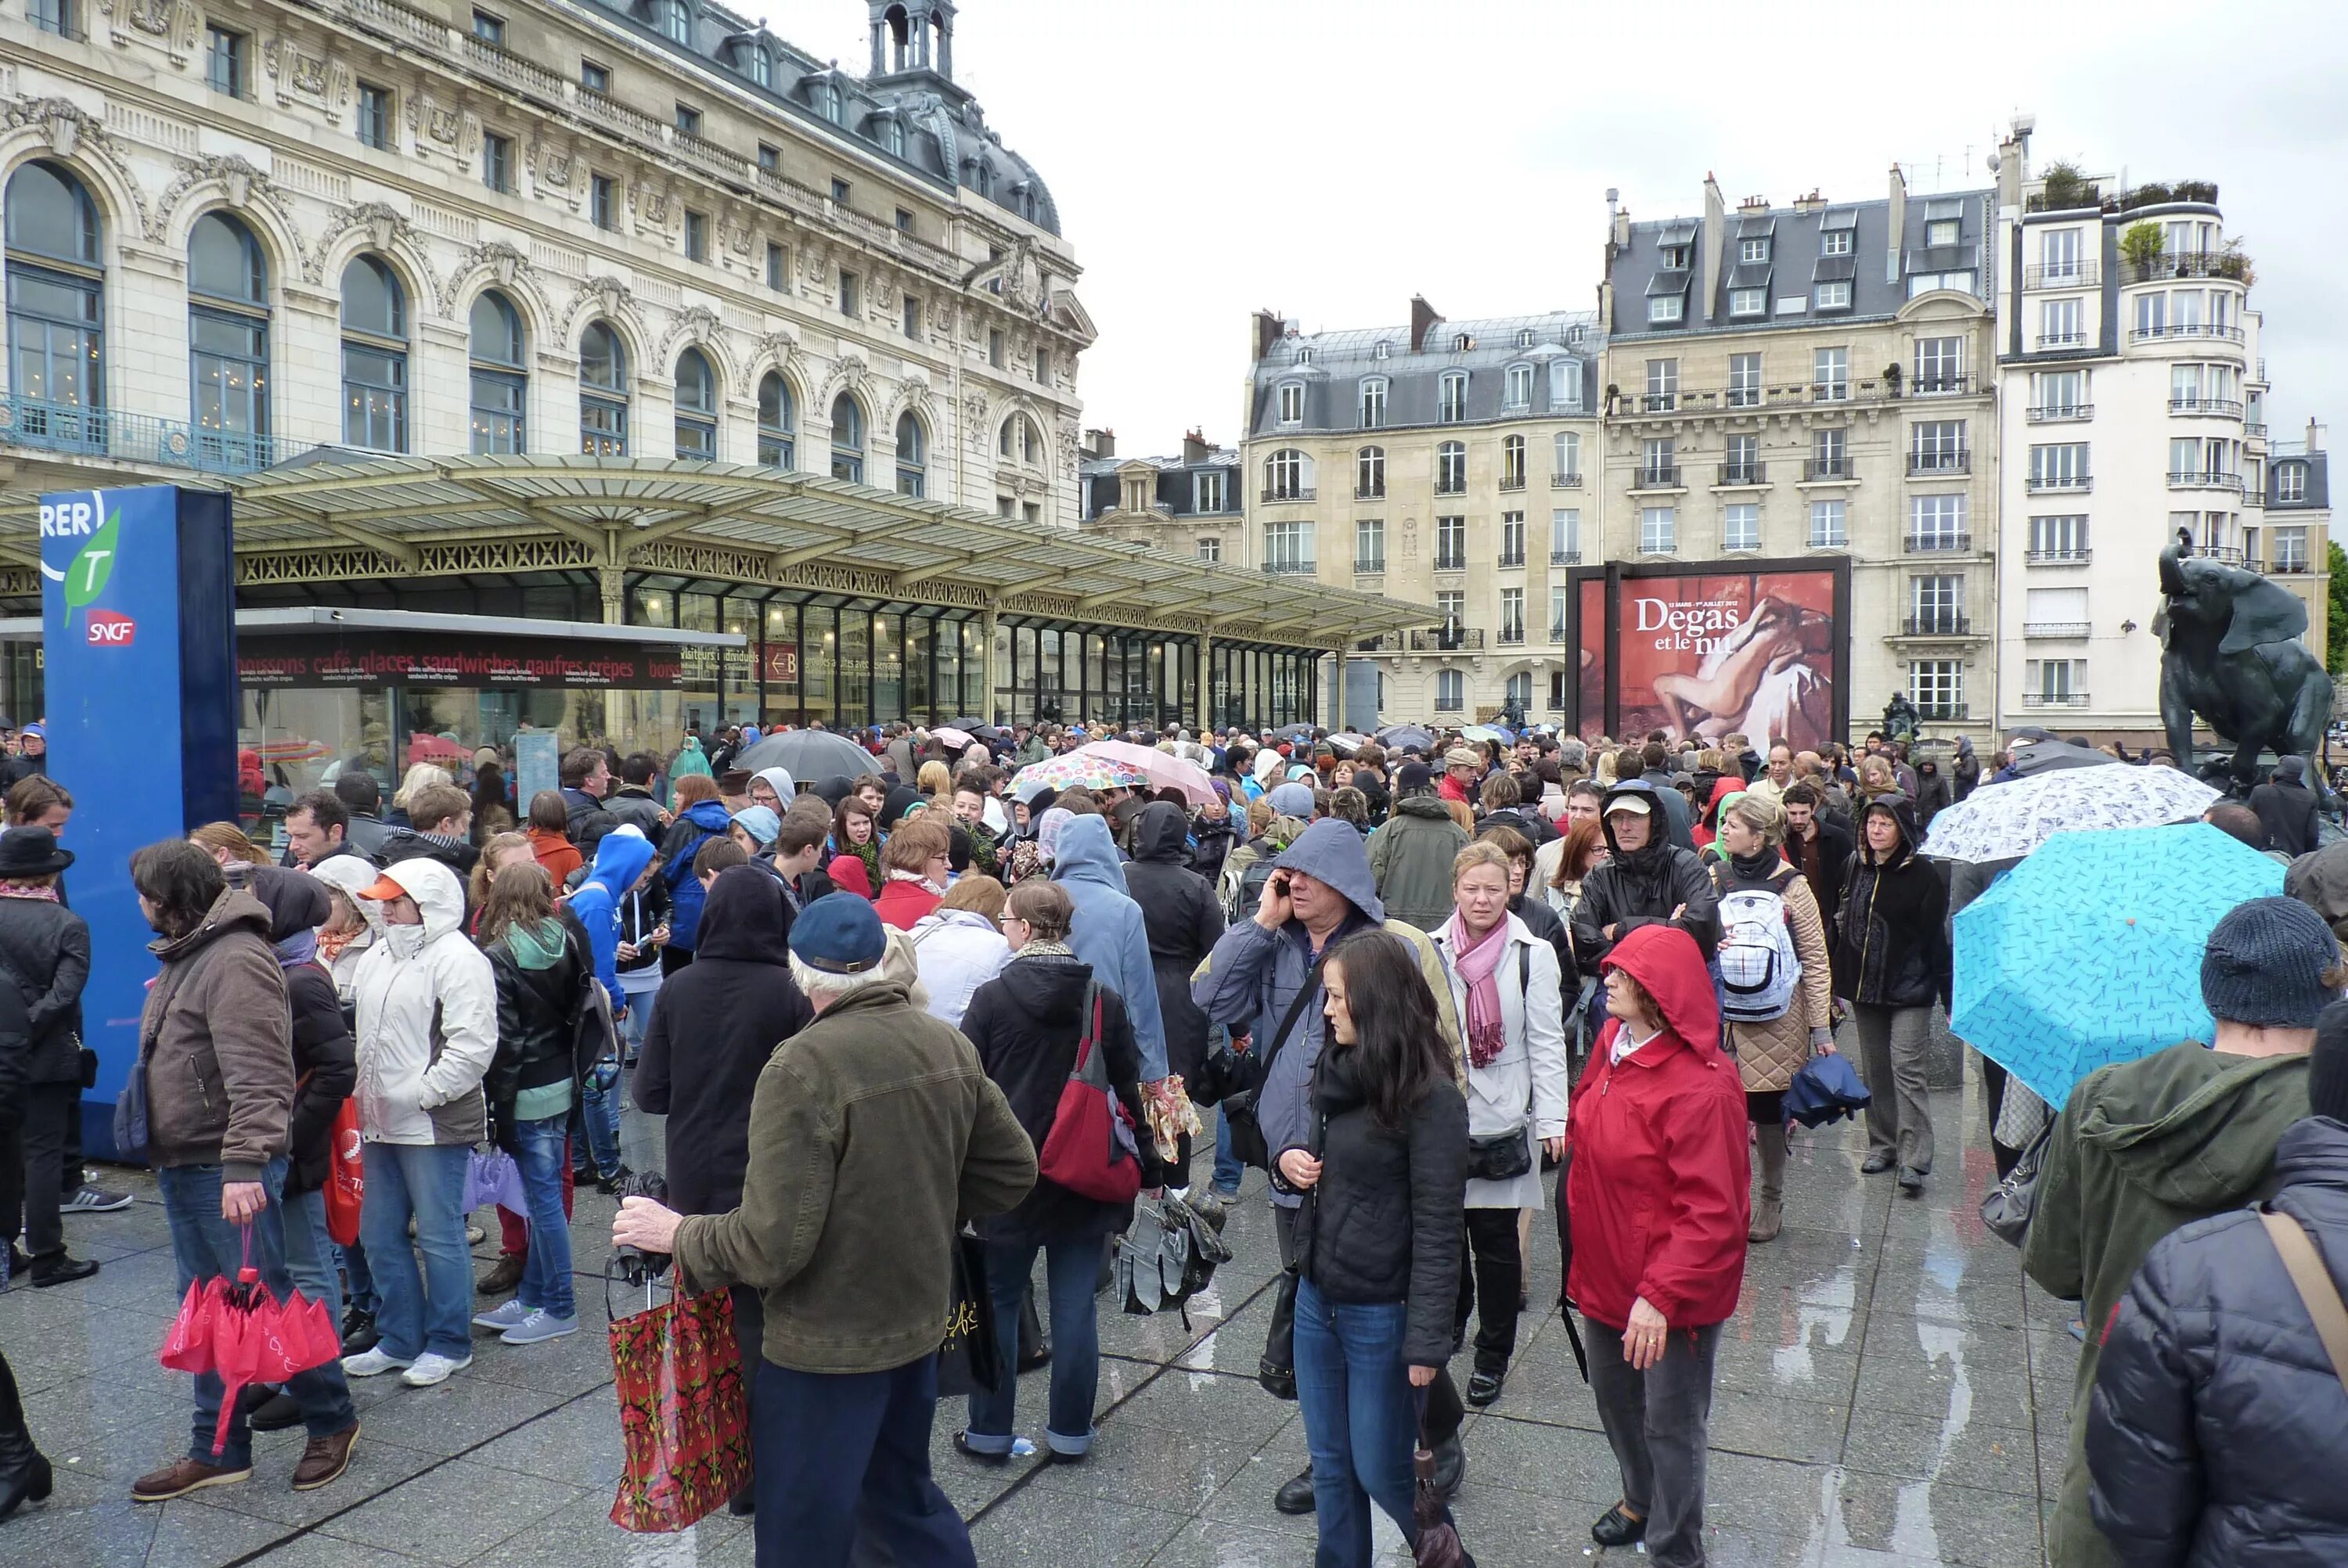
1250	1069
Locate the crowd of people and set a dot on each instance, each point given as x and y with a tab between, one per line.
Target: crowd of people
1431	990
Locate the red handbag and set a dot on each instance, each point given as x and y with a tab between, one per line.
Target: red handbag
684	1412
346	1176
1090	1149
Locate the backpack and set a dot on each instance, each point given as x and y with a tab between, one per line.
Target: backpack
1758	966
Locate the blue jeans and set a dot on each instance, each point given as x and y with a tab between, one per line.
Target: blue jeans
1228	1169
599	1114
1071	1268
635	1022
1361	1419
363	1297
204	1245
310	1253
432	1311
840	1456
546	1277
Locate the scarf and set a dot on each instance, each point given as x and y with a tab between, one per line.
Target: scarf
1755	867
1479	963
297	949
1038	947
896	875
47	895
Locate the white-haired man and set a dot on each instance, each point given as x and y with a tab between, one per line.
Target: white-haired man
849	1242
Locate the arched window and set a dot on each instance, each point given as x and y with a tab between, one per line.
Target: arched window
1451	468
847	440
1370	473
375	356
911	456
827	99
501	387
228	344
892	135
757	65
1287	476
1020	440
676	20
1451	398
602	392
696	406
56	309
777	423
981	178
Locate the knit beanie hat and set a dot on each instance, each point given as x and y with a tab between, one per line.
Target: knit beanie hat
2264	965
2327	1068
1413	777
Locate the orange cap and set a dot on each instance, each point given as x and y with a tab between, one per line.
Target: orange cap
383	887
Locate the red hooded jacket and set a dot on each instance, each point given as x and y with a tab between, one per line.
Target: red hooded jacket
1658	1191
1707	826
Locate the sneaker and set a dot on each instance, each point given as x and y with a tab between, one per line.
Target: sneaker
359	1332
506	1315
323	1460
542	1325
94	1200
59	1270
609	1186
183	1475
373	1363
432	1367
475	1235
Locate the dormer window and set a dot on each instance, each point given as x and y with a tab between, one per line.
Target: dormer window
1675	259
1942	232
676	20
1292	403
1835	242
1380	349
1305	356
827	99
2291	481
1451	398
757	65
893	137
1754	250
1524	337
1461	343
1518	390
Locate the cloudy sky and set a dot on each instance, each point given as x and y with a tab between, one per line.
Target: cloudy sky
1328	159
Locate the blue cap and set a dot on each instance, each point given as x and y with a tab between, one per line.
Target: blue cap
34	732
840	934
761	822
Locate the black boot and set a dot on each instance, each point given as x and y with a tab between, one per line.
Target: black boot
1295	1494
23	1474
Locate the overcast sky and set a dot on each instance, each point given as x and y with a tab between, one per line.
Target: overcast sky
1328	159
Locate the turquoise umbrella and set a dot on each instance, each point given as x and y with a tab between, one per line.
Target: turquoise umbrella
2089	952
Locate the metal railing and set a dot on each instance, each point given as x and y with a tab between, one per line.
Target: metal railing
2194	480
2059	413
2170	264
1375	493
2062	340
1512	481
2223	331
1660	478
2048	484
1289	568
2254	429
2054	699
1448	561
1565	557
1451	487
1509	558
1941	712
1448	639
2058	557
1510	636
1939	385
1817	468
1565	481
84	432
1957	462
1836	541
1369	566
1290	493
2060	275
1940	623
2055	629
2230	408
1938	543
1744	474
2288	567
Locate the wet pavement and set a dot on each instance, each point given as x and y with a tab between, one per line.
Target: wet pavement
1890	1392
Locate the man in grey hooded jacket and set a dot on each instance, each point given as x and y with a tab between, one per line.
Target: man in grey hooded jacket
1110	933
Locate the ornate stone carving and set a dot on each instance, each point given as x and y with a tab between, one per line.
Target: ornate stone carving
241	186
699	325
847	373
322	81
507	269
72	133
606	296
174	23
445	129
776	350
974	421
384	226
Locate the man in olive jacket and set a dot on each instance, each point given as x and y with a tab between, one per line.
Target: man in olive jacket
874	1132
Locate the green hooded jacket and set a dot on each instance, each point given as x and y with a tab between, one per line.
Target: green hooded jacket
2142	1148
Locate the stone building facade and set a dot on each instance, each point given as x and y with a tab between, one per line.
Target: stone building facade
1187	505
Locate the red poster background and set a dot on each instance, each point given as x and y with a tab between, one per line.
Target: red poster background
1591	654
1715	654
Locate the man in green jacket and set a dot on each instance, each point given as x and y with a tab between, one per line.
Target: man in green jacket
874	1132
2147	1146
1411	855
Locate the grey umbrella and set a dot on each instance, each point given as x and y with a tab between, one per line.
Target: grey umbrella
809	755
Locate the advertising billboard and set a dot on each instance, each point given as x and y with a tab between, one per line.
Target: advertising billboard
139	635
1704	650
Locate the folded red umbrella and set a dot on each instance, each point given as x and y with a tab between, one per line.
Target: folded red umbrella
239	1331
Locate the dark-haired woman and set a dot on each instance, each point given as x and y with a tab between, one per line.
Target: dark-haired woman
1378	1237
855	848
1658	1194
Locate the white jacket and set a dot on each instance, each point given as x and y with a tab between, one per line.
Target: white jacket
958	951
428	1025
351	876
1527	1085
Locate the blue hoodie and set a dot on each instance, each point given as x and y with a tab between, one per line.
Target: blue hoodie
702	821
621	857
1109	934
1249	981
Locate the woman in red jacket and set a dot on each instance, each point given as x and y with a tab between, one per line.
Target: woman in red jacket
1659	1199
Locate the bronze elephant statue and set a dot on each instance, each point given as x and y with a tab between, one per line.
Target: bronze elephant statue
2231	653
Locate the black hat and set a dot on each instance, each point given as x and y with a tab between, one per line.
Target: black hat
31	852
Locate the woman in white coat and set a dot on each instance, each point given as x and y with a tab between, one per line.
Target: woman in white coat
958	946
1505	985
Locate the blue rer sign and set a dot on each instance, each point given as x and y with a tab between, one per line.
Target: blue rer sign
139	634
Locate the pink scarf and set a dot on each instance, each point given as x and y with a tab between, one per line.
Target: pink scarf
1476	964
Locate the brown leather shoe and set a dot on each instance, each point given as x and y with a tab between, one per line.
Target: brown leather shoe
183	1475
326	1458
504	1275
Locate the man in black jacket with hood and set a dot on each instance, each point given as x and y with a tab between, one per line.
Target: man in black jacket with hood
1646	879
1891	962
2286	808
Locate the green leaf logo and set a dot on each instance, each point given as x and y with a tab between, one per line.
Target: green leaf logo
87	577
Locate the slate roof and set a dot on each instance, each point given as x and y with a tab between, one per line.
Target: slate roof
1341	360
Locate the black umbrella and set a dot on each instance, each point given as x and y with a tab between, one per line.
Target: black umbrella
809	755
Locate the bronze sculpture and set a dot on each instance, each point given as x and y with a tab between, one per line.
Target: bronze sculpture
2231	654
1901	718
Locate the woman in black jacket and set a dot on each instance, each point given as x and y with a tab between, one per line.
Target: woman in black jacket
1026	1023
1378	1238
45	948
718	1019
1891	962
2215	1431
1184	919
543	966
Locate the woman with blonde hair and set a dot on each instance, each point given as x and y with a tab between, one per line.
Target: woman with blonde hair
1604	771
935	783
958	946
1763	900
417	775
226	844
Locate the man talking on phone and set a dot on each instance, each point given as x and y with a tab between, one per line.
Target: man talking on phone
1263	980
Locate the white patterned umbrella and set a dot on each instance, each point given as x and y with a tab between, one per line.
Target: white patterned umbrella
2006	821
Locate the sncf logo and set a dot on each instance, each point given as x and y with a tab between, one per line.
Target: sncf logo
111	628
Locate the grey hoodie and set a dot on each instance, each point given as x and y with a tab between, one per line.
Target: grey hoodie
1110	933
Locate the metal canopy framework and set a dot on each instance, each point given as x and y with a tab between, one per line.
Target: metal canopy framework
332	517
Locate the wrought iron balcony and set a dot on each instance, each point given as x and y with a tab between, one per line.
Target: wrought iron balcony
1291	493
2060	275
2060	413
81	431
1370	493
2227	264
1366	565
1557	631
1939	543
2054	699
2196	479
1512	481
2224	406
1289	568
1511	636
2049	484
1829	468
2058	557
1939	623
1744	474
1924	463
1514	557
1658	478
1939	385
1448	639
1451	560
2055	629
1565	481
2224	331
1565	557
